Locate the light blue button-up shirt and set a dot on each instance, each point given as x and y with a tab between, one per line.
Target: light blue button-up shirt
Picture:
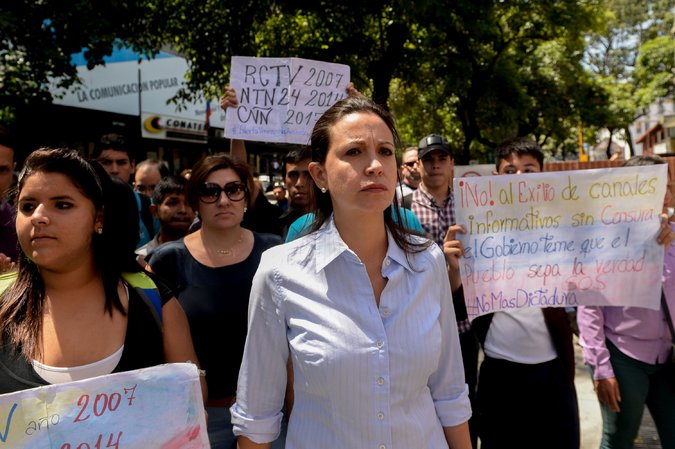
366	377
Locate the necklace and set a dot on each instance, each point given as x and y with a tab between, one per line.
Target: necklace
231	250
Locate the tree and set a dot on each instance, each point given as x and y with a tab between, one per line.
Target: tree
631	56
510	67
655	69
37	40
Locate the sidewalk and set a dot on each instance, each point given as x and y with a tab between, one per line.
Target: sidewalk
589	410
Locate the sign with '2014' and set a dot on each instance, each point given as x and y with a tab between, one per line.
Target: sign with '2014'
280	99
151	408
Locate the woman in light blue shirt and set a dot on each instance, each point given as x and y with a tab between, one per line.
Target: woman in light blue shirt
362	308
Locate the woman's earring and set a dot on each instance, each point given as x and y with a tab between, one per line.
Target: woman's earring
324	190
99	230
245	209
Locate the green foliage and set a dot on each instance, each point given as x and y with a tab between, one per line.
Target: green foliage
655	69
420	113
37	40
631	56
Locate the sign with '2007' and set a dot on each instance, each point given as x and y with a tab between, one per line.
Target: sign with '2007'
151	408
280	99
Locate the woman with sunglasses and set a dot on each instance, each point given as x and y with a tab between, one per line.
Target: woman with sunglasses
211	271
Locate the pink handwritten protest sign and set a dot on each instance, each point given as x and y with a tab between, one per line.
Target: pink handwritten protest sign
561	239
152	408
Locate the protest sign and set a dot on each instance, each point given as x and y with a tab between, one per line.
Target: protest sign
152	408
465	171
280	99
560	239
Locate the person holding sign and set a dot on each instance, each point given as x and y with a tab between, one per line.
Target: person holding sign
526	396
363	309
630	350
79	307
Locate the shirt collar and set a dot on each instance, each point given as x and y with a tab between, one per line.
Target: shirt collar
396	253
329	246
430	197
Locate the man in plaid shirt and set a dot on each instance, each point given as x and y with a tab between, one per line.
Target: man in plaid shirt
432	201
433	204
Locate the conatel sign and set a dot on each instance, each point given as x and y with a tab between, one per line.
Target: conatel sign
156	126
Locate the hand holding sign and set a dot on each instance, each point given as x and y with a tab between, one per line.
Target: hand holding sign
453	250
562	239
280	99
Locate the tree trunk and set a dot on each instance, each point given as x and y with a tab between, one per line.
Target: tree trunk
629	139
609	143
382	70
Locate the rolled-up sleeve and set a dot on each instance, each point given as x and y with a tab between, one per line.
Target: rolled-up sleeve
591	323
262	378
447	385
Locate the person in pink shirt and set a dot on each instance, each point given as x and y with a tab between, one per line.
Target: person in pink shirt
629	350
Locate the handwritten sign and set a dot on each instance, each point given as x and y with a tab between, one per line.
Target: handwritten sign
465	171
152	408
561	239
280	99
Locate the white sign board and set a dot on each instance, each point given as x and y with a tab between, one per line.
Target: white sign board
132	88
280	99
152	408
584	237
462	171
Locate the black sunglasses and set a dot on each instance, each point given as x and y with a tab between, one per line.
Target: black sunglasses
210	192
431	140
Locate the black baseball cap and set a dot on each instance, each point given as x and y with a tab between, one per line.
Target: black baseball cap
433	142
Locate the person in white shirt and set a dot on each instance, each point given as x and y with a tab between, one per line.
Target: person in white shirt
363	310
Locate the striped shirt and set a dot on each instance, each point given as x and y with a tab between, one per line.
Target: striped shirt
366	376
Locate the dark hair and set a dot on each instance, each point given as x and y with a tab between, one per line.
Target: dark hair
115	142
320	144
520	146
113	250
208	165
650	159
7	138
295	156
171	185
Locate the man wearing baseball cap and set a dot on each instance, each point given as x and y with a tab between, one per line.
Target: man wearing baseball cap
432	201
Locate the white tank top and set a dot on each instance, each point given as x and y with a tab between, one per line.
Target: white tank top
59	375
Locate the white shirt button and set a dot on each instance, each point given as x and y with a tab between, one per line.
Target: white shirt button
382	446
387	262
386	311
380	381
380	416
380	344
